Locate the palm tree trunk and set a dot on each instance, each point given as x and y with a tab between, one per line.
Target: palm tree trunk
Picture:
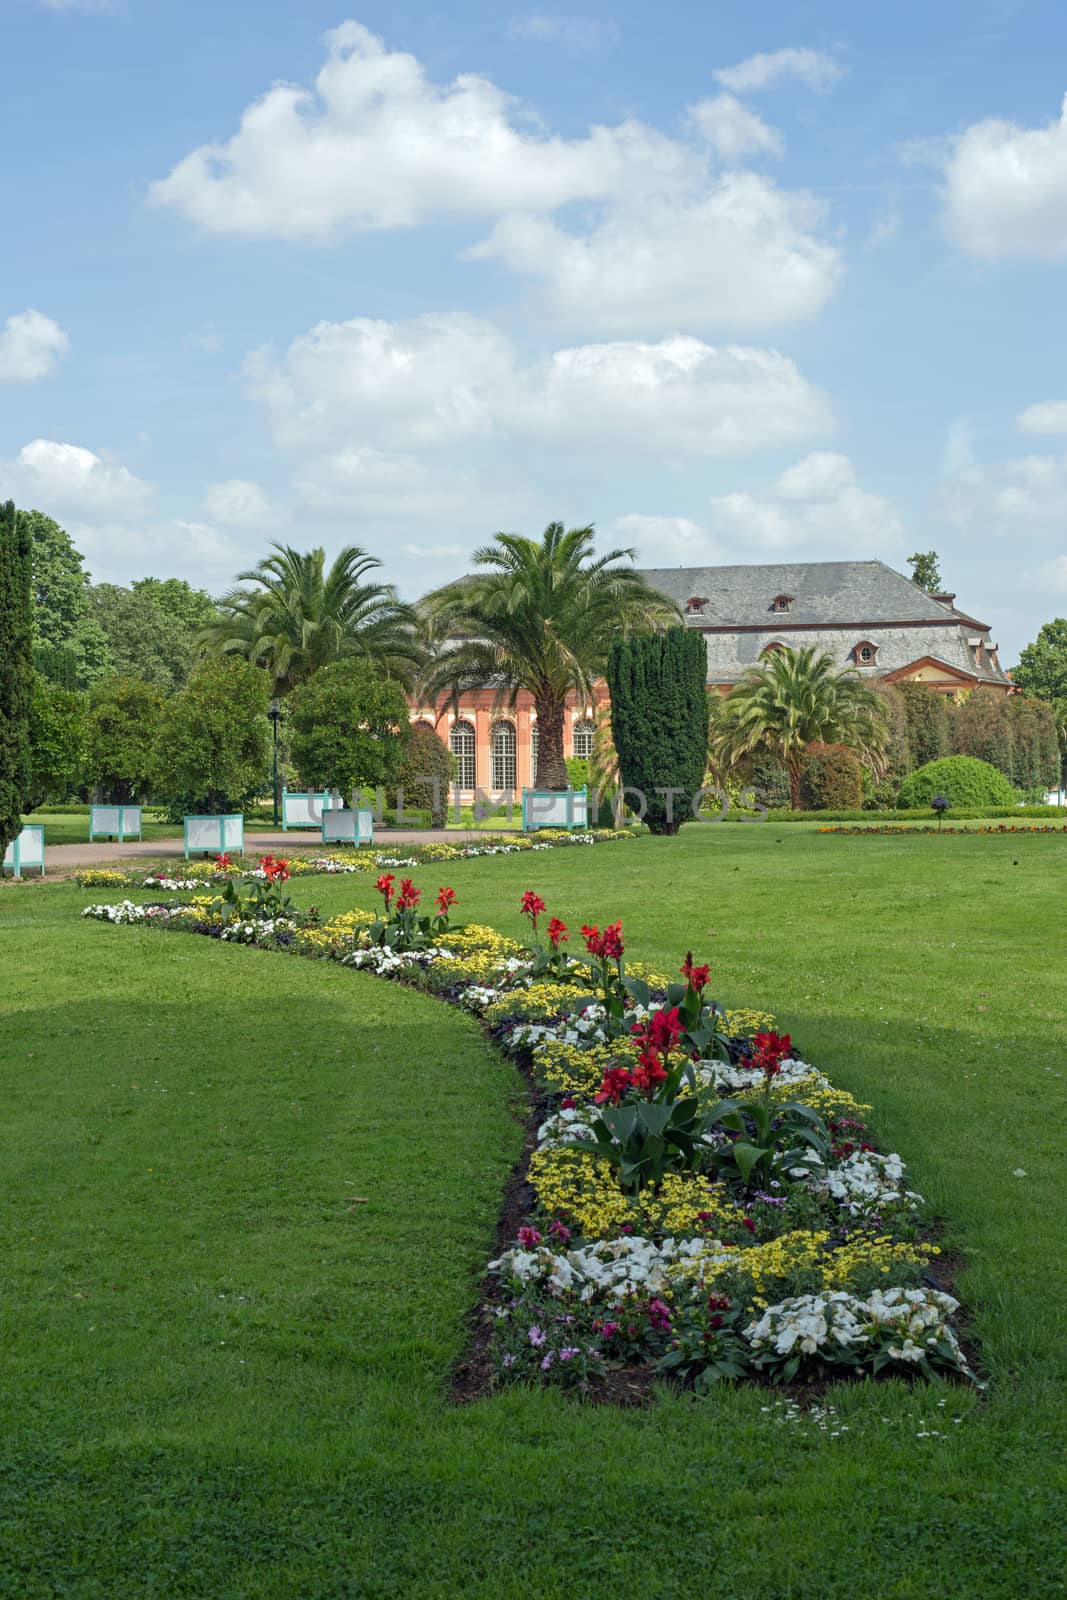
551	767
793	766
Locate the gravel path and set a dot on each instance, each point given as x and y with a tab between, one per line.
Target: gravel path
66	858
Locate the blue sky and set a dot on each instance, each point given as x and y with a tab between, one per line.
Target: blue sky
738	282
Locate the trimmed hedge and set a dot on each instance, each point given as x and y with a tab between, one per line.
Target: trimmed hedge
964	779
830	775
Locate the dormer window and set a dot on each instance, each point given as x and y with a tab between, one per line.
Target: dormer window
696	604
865	654
772	648
782	602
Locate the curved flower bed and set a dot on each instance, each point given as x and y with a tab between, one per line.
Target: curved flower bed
1000	827
700	1201
193	874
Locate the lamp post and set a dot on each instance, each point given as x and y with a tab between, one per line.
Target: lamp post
275	714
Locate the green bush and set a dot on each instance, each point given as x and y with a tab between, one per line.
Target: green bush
16	670
964	779
659	720
830	776
426	758
350	728
121	733
770	780
57	740
211	747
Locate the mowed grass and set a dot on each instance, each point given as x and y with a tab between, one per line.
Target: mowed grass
225	1377
72	827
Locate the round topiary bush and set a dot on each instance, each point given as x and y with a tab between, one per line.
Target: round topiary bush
427	757
963	779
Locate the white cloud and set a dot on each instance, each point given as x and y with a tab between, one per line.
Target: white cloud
115	552
813	68
1050	575
666	541
738	252
365	386
239	503
1048	416
1005	190
67	478
380	146
884	227
424	382
815	507
958	453
573	33
665	238
678	397
388	486
732	130
1029	489
30	346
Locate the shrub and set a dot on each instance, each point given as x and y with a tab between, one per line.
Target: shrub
963	779
57	740
211	746
426	758
927	718
16	685
350	728
830	776
120	737
659	720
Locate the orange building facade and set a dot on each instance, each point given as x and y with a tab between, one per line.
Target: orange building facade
495	744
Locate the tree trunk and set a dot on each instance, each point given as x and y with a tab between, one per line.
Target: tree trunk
793	767
551	767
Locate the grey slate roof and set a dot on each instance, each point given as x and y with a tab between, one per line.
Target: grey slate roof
836	605
823	592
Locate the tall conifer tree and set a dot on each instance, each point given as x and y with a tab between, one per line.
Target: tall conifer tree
16	670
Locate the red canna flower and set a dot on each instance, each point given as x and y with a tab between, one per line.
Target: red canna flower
446	898
384	887
769	1050
593	939
224	862
607	945
409	896
697	976
557	933
615	1084
532	906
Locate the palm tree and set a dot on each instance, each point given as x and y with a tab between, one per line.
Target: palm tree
791	699
299	616
541	618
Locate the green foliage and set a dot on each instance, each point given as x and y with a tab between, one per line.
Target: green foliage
830	776
211	748
62	614
350	728
298	617
769	1142
57	664
924	571
659	720
793	699
1017	734
965	781
927	721
577	772
542	618
152	628
769	778
123	721
425	758
58	729
1042	668
16	671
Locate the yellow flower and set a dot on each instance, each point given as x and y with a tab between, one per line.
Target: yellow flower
584	1188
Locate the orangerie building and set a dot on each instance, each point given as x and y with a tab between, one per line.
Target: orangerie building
865	615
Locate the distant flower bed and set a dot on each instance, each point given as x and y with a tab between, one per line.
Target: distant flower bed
701	1202
1001	827
220	868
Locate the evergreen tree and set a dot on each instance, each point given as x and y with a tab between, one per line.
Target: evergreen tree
16	671
659	720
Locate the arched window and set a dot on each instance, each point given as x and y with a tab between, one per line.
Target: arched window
583	740
771	649
502	752
461	743
423	722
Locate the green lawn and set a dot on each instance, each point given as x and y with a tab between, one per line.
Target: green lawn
223	1378
72	827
